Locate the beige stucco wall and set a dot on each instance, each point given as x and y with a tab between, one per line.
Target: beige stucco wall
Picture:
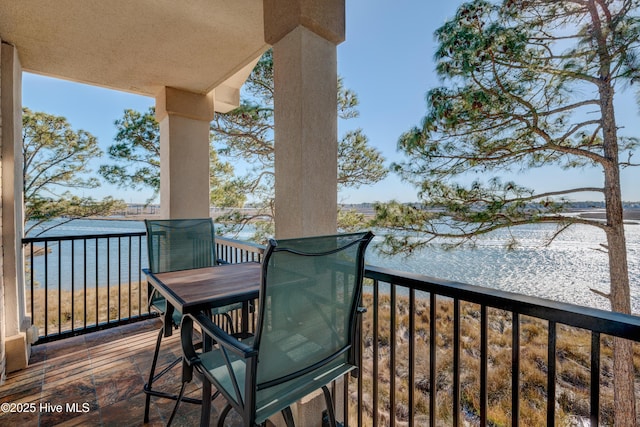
304	35
184	119
326	18
14	318
305	72
2	309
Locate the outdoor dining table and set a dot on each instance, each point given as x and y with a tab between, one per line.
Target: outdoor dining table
198	289
193	290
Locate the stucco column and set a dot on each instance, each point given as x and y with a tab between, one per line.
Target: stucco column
3	354
184	119
15	323
304	35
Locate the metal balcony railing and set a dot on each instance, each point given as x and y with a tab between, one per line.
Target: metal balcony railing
433	352
437	352
77	284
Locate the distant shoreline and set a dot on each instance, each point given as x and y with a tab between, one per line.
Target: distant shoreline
630	214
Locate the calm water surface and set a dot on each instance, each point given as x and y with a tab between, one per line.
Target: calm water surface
564	271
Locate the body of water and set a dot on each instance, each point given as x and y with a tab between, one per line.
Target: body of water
564	271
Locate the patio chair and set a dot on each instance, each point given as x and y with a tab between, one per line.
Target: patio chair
172	245
306	334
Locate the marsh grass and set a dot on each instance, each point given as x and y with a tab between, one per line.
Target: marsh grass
573	364
66	309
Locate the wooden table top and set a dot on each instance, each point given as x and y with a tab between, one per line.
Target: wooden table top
191	290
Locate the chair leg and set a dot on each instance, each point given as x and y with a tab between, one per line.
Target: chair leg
175	408
288	417
329	402
152	372
223	415
205	414
148	387
229	323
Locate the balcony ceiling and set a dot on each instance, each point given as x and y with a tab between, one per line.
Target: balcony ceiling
137	46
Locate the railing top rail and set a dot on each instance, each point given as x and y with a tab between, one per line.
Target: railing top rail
241	244
28	240
601	321
250	246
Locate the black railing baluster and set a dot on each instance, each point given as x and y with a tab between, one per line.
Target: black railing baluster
432	359
376	325
360	381
84	280
483	364
392	358
73	284
97	287
515	369
412	350
140	276
46	288
551	374
59	287
108	281
31	274
119	310
594	412
129	277
456	362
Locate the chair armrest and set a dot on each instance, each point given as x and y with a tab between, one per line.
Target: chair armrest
214	331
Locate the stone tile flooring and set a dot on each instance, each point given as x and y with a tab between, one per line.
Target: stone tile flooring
97	379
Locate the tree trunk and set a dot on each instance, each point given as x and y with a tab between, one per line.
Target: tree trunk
624	395
623	370
623	380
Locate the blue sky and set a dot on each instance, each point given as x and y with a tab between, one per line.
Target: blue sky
387	59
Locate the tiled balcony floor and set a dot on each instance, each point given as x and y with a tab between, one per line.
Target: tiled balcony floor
104	373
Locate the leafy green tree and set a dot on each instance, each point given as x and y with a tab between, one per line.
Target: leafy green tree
246	134
56	161
136	153
528	84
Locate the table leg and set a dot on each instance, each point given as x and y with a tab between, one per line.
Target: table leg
244	324
168	320
206	403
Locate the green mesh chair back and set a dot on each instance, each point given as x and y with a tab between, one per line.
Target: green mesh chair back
180	244
306	333
310	292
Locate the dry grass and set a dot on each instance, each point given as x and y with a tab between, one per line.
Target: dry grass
573	360
101	305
